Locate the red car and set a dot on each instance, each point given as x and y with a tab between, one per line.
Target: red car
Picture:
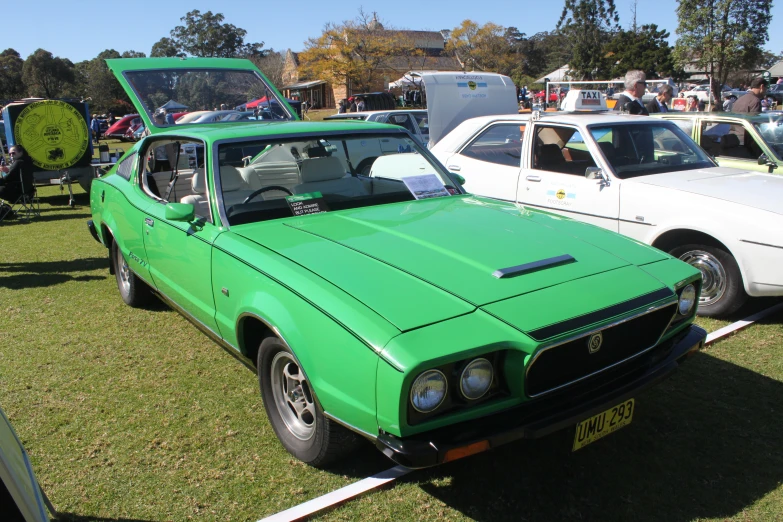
121	126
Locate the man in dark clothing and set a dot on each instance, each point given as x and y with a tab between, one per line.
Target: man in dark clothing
631	98
661	101
20	171
751	102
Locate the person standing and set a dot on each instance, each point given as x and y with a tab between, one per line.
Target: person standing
631	98
751	102
693	104
95	127
360	105
661	102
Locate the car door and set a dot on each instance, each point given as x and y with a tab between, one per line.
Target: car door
490	161
179	252
555	178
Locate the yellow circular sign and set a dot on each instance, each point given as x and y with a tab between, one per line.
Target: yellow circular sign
53	133
560	194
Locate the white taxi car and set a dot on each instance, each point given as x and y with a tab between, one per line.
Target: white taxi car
640	176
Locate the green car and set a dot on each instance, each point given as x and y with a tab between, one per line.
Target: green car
392	305
738	140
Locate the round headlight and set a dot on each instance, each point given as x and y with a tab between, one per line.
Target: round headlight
428	391
687	300
476	379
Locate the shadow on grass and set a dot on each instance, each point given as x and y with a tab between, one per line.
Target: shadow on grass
706	443
71	517
50	273
47	217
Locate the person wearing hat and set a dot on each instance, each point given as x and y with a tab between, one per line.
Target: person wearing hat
751	102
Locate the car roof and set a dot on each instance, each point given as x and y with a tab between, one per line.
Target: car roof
756	117
367	114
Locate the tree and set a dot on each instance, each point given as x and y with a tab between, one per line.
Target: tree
165	47
554	49
207	35
133	54
47	75
271	63
645	49
721	36
482	48
587	25
356	53
11	85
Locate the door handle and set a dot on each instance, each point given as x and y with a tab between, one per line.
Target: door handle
455	168
149	222
533	177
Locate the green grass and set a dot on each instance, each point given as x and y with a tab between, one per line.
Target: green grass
134	415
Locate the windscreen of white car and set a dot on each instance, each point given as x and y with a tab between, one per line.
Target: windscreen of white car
648	148
260	179
203	90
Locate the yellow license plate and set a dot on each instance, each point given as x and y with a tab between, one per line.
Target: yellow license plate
601	425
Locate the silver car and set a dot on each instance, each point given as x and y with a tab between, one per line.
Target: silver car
415	121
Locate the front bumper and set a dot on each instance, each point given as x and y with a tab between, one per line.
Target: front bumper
540	417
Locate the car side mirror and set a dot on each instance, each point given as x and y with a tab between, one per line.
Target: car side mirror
764	160
180	212
596	173
459	179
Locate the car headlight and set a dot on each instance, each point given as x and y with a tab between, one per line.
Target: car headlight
687	300
476	379
428	391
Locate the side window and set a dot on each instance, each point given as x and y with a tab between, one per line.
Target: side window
403	120
685	125
125	168
500	144
561	149
739	143
174	173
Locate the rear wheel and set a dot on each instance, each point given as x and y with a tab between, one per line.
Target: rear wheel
722	292
133	290
294	412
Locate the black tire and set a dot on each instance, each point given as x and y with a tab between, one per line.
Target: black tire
722	292
307	434
133	290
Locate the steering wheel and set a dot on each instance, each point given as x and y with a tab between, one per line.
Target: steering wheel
267	189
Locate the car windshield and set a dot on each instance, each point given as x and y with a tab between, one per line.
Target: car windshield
202	90
272	179
772	132
648	148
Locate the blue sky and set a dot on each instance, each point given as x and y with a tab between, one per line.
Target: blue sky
80	30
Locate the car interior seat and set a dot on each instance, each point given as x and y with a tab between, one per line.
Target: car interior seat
328	176
198	198
550	156
730	146
235	190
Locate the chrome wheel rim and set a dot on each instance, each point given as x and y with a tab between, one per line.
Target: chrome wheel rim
714	280
123	273
292	396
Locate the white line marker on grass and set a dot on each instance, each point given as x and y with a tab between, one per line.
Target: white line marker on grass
339	496
733	327
311	507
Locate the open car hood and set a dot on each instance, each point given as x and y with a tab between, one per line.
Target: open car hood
152	82
744	187
425	261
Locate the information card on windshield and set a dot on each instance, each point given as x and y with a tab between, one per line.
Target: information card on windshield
425	186
309	203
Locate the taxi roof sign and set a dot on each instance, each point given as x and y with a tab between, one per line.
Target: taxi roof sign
584	100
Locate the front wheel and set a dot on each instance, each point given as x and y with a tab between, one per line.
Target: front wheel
133	290
293	410
722	292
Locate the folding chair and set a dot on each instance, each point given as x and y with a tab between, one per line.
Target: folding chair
27	205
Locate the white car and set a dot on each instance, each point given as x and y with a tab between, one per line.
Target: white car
415	121
639	176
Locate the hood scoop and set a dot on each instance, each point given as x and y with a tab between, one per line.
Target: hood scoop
533	266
